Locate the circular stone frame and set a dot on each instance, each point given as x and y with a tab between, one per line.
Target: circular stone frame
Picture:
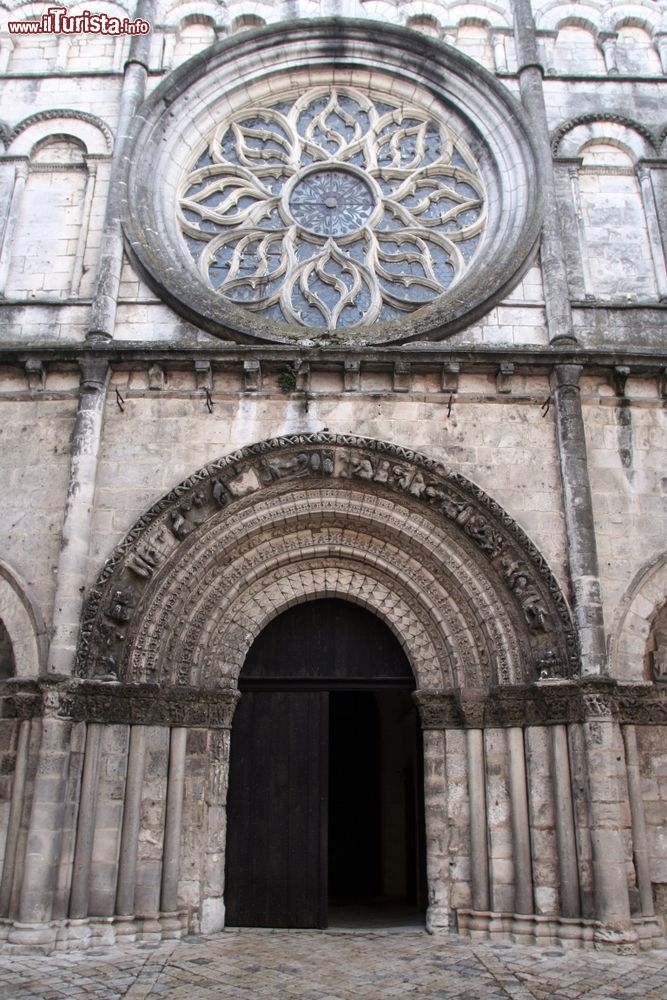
181	112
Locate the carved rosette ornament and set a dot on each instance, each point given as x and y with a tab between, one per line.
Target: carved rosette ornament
334	210
149	605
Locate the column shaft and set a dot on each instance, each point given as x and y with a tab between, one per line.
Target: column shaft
479	853
15	813
523	872
107	282
639	838
72	575
174	820
129	839
42	856
570	905
579	520
437	828
85	830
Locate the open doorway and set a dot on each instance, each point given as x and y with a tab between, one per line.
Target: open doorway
375	857
325	804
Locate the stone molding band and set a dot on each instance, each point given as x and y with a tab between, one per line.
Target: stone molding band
540	704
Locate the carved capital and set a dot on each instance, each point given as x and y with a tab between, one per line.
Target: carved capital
438	709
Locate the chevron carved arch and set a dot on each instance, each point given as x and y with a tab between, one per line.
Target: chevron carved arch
465	591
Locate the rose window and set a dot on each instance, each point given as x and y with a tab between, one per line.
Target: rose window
334	210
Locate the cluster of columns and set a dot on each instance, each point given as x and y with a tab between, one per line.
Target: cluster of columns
47	889
490	793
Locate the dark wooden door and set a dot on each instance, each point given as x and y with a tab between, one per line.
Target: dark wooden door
277	822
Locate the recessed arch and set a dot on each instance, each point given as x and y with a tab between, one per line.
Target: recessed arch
632	626
464	590
23	624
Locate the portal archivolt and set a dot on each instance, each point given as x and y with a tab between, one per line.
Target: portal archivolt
464	590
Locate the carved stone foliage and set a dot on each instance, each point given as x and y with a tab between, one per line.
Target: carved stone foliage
543	705
294	518
536	704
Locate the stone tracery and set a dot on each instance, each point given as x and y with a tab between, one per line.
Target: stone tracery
333	210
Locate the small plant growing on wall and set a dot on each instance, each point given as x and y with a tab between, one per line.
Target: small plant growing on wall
287	378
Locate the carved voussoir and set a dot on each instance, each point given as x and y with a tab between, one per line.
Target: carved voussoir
115	643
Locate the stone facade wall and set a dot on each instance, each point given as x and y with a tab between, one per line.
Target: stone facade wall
540	823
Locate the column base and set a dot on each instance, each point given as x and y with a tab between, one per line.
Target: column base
89	932
561	932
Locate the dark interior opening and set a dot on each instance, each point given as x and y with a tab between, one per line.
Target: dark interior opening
376	867
325	803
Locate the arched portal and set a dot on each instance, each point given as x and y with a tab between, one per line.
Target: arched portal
449	578
325	804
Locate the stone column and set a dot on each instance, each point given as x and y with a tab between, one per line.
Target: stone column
107	282
579	520
523	873
42	856
639	838
75	544
479	851
607	41
173	822
603	743
77	266
570	905
661	46
552	256
129	838
20	178
436	711
85	830
213	903
15	811
653	227
437	830
218	749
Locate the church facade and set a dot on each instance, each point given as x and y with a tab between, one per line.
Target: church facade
333	370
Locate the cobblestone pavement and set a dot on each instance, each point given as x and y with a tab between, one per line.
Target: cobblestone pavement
312	965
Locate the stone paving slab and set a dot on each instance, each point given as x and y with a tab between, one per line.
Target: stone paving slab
320	965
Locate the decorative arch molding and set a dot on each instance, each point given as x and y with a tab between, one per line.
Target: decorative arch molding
569	137
490	14
178	15
629	637
556	15
638	15
21	618
463	588
95	135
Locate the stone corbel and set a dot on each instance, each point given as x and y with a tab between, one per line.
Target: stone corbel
504	377
351	375
450	377
620	376
401	376
204	374
252	375
36	374
156	379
